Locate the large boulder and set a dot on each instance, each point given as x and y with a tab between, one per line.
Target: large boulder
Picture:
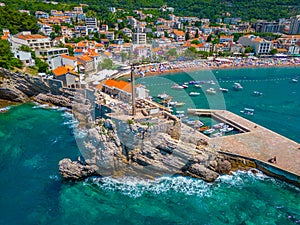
200	171
74	170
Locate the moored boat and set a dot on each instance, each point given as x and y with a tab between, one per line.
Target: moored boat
177	86
194	93
211	91
178	104
247	111
257	93
204	128
226	129
218	125
163	96
223	89
237	86
219	134
185	86
209	131
294	80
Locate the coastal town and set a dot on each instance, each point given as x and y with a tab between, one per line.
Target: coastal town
157	112
76	44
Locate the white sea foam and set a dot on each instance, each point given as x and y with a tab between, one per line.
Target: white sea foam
40	106
136	187
5	109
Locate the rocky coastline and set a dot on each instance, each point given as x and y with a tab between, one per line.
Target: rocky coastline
111	147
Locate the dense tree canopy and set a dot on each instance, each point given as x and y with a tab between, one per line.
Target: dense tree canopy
261	9
7	59
15	21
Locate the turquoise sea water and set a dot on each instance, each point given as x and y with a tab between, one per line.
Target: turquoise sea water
277	109
33	140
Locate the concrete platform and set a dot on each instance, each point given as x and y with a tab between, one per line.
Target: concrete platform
256	142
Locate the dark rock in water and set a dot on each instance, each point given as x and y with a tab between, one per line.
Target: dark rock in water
75	170
224	167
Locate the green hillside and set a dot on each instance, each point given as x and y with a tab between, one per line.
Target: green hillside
254	9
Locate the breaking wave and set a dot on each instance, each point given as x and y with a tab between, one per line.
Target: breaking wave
137	187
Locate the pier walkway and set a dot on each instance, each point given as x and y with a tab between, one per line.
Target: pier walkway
255	142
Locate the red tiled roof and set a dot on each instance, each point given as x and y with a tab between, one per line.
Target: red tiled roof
121	85
62	70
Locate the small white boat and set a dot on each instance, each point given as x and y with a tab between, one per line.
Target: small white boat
226	129
257	93
294	80
248	112
218	125
194	93
180	112
163	96
198	86
211	82
237	86
219	134
178	104
177	86
223	89
209	131
191	122
185	86
211	91
180	115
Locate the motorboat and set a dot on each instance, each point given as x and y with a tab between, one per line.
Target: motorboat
237	86
294	80
184	86
211	82
177	86
180	112
178	104
197	86
247	111
209	131
194	93
211	91
219	134
163	96
223	89
179	115
226	129
203	128
218	125
257	93
199	123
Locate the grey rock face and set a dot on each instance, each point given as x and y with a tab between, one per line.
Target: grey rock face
75	170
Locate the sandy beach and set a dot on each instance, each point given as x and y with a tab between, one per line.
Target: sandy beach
196	65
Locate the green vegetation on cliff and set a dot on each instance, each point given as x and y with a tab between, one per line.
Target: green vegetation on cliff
7	59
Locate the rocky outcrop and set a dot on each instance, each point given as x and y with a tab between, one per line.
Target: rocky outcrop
116	148
75	170
17	87
57	100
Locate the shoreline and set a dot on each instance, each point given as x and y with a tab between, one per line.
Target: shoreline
212	68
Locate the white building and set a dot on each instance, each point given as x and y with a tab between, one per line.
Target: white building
45	29
139	38
50	53
25	57
260	45
34	41
91	22
63	60
295	25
